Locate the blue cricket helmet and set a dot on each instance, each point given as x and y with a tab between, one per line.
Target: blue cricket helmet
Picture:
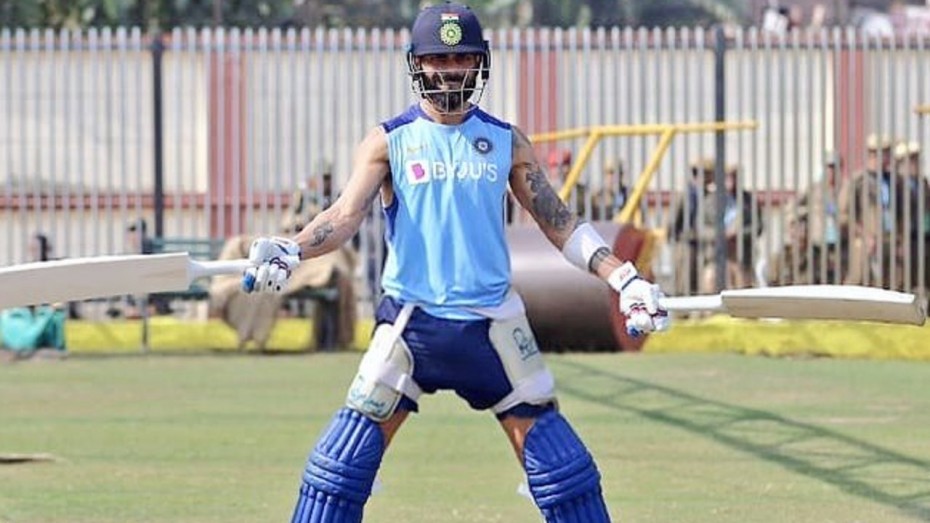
447	28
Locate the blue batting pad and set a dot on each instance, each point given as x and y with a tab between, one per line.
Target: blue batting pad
340	471
561	473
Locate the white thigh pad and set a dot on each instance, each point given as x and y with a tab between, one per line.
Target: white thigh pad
532	382
385	373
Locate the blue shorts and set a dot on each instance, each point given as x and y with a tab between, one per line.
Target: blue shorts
454	355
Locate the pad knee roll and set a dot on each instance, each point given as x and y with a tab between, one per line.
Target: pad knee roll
561	473
341	470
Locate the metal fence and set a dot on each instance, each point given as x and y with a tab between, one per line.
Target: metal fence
208	134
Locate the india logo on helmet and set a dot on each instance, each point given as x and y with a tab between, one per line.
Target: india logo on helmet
450	32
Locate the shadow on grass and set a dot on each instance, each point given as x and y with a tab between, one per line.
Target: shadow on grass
854	466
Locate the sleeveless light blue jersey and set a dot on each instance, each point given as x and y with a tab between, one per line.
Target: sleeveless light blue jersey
447	249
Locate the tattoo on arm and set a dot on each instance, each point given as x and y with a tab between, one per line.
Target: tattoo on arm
546	203
327	228
321	233
597	258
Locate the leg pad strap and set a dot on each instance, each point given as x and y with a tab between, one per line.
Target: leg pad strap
341	470
561	473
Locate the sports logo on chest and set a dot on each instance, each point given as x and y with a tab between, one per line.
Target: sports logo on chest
482	145
466	170
417	172
424	171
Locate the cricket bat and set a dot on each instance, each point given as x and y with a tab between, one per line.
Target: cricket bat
75	279
809	302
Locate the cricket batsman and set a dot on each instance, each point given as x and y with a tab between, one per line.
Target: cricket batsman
450	319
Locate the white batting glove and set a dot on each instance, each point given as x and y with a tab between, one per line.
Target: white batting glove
639	301
273	260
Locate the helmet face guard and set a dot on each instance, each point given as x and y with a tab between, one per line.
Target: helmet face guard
450	91
442	30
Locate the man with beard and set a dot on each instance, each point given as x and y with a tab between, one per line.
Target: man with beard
450	319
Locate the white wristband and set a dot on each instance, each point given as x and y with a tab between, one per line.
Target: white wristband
581	246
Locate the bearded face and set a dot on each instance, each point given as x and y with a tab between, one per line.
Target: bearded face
447	82
448	91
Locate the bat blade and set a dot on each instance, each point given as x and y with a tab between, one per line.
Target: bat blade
810	302
826	302
77	279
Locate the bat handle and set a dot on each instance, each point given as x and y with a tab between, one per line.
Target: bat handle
202	269
702	303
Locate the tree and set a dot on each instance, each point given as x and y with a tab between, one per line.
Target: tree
396	14
227	13
17	13
164	14
58	14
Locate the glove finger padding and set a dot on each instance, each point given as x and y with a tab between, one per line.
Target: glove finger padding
661	321
652	299
638	321
261	277
280	281
272	277
660	317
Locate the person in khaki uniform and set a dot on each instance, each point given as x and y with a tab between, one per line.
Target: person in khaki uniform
694	231
610	198
683	232
865	208
913	218
792	264
817	210
742	224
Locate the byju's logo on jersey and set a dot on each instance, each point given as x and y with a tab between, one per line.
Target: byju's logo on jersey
417	172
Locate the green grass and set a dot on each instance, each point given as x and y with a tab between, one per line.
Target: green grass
678	438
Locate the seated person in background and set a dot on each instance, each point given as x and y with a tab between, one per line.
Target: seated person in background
35	331
253	317
865	208
742	225
683	230
792	263
912	219
694	228
609	200
817	211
